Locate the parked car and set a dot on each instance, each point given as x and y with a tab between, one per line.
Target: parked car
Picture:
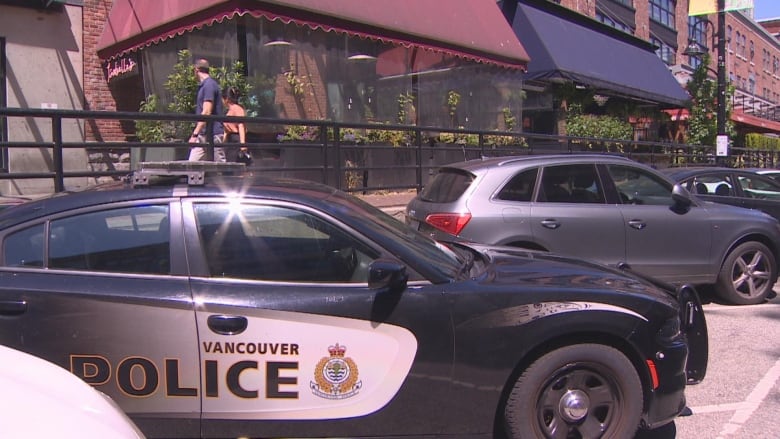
606	209
6	202
237	306
772	173
737	187
41	399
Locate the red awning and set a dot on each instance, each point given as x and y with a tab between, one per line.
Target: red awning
764	125
678	114
471	29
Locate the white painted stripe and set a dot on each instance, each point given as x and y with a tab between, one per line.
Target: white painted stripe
715	408
745	409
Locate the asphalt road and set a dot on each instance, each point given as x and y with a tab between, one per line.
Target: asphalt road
740	396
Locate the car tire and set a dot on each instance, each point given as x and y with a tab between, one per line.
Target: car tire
588	390
747	275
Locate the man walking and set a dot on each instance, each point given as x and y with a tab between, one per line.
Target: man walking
208	102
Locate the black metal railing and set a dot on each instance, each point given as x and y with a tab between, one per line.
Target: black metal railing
363	157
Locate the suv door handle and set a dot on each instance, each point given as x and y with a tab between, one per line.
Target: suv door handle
637	224
227	325
551	224
13	307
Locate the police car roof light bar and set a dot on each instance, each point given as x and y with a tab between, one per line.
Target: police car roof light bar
194	171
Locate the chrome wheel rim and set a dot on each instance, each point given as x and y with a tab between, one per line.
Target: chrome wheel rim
751	273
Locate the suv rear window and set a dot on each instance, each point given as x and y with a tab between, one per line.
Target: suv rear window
447	186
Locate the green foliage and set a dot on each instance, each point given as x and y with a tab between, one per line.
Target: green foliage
388	137
505	140
607	127
459	138
299	133
703	123
509	119
182	87
761	142
453	99
149	130
405	104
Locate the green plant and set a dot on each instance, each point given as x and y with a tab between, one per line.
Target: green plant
389	137
702	123
759	141
296	82
505	140
405	104
182	86
509	119
459	138
299	132
149	131
453	99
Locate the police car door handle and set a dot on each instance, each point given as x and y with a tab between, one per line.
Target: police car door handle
637	224
13	307
227	325
551	224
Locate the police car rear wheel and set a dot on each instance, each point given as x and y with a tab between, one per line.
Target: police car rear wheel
584	391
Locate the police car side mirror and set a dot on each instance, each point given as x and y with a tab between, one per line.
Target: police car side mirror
387	275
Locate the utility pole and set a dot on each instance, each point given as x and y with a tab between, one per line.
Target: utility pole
722	143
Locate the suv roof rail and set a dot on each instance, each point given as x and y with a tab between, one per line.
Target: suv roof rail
194	171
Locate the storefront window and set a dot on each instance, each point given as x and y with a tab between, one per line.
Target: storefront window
301	73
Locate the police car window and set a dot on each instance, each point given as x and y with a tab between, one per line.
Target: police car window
279	244
24	248
127	240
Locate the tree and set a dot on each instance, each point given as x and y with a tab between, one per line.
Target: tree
182	86
703	123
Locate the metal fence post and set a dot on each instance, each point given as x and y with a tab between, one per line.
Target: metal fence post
56	133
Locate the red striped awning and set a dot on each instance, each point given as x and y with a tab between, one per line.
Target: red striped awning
470	29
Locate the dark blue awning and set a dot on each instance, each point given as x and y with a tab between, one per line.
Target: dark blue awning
565	50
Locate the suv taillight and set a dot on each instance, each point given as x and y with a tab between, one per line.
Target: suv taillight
451	223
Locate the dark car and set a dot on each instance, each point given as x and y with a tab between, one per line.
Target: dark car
233	306
737	187
772	173
607	209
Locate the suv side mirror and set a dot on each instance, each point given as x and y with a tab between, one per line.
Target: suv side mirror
681	196
386	275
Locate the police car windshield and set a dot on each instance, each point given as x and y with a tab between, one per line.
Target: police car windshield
436	254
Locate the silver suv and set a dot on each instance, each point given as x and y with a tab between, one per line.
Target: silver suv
606	209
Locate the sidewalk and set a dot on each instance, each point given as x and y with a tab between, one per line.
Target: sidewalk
393	203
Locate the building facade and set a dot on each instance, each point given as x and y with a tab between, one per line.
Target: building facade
358	61
752	50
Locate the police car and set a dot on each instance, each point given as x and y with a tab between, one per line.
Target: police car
230	305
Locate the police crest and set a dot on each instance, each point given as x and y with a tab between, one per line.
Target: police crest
336	376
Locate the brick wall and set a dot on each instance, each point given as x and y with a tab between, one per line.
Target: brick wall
97	95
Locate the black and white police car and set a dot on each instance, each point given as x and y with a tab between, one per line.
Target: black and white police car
230	305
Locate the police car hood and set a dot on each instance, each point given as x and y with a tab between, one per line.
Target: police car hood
514	266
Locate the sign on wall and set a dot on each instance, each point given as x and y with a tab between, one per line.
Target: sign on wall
122	67
704	7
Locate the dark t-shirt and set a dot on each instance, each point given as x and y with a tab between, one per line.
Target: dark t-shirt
208	90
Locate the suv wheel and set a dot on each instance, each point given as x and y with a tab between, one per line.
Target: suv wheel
747	276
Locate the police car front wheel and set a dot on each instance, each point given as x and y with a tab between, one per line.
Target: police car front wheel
587	391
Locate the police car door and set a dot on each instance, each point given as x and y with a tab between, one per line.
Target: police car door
289	328
97	293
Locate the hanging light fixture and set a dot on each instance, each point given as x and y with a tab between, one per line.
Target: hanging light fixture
276	31
362	50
